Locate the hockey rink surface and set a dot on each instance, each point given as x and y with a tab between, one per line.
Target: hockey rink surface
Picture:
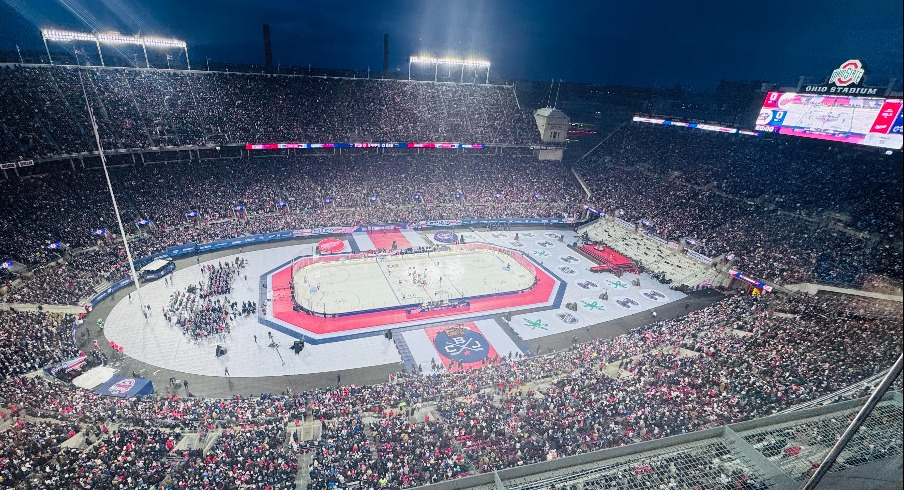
371	283
469	272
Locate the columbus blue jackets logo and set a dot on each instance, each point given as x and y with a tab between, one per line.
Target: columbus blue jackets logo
461	344
122	386
445	237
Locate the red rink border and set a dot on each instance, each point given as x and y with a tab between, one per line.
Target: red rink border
281	316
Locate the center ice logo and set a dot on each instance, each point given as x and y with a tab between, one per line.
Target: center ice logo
616	284
461	345
536	324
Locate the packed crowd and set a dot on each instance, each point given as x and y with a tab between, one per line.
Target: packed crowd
489	186
44	110
33	340
738	359
26	446
760	200
252	456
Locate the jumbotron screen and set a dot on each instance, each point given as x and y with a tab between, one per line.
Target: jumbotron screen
868	121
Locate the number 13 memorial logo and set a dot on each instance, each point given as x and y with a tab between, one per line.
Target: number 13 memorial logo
460	344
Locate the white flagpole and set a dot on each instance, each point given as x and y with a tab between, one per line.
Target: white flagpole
122	231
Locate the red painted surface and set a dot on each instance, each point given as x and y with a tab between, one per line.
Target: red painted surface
383	239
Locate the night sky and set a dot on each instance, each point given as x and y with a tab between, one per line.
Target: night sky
636	43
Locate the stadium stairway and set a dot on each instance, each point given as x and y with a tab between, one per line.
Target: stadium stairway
404	351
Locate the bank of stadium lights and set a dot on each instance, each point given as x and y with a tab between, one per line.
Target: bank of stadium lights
449	61
56	35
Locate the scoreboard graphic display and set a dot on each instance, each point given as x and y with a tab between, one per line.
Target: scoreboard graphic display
871	121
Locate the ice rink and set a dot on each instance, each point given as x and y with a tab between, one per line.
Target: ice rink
370	283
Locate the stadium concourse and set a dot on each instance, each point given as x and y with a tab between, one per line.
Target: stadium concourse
582	364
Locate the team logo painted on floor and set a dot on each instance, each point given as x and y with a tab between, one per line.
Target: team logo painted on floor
567	270
528	234
516	244
593	305
546	244
617	284
567	318
461	345
588	285
445	237
626	303
536	324
540	253
552	236
653	295
568	259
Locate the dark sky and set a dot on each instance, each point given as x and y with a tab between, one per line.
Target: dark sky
640	43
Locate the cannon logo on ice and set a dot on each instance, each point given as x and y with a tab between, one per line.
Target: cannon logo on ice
460	344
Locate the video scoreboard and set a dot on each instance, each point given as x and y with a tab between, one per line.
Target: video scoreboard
871	121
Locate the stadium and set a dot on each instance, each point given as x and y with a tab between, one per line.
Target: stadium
446	274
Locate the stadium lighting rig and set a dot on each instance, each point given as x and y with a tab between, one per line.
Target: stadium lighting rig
449	61
56	35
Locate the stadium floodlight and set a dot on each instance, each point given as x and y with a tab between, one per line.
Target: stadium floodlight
449	61
113	38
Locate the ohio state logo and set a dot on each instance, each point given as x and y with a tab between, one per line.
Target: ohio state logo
122	386
850	72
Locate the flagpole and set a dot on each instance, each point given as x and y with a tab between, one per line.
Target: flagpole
122	231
